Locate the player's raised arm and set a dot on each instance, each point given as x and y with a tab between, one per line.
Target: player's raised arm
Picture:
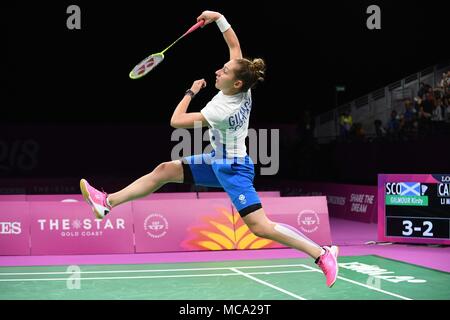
228	32
183	119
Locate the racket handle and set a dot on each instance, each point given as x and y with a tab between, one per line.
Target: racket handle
195	27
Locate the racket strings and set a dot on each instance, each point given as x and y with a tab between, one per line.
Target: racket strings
146	65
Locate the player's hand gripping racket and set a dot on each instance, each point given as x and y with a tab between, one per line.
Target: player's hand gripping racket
149	63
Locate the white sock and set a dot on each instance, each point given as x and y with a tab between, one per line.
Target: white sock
294	233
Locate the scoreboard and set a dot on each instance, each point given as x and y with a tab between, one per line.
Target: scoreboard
414	208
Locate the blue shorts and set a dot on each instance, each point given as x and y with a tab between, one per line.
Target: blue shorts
234	175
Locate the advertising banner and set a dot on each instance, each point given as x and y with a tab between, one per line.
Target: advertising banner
14	228
309	215
71	228
183	225
352	202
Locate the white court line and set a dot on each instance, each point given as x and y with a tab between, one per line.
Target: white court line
247	275
363	285
154	277
149	270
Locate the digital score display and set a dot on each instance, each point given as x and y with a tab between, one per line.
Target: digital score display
414	208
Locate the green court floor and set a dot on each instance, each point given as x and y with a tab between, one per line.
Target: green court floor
360	278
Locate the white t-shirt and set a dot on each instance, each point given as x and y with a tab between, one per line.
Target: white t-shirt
228	117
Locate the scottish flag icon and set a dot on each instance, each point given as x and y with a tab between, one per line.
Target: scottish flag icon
410	189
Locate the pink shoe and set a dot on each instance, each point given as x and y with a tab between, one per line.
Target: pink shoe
329	265
96	199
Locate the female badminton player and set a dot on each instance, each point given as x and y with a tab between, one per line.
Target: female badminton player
228	165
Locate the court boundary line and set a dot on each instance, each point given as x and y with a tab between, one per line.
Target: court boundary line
235	270
363	285
149	270
267	284
407	263
152	277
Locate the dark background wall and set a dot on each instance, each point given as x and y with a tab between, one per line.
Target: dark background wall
56	73
69	91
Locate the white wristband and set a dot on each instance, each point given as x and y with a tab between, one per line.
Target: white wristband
223	24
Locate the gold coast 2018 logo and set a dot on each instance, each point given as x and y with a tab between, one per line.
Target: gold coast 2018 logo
156	225
308	221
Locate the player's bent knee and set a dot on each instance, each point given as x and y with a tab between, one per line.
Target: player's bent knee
177	171
261	230
170	171
161	169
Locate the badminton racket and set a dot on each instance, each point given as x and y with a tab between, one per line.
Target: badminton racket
149	63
